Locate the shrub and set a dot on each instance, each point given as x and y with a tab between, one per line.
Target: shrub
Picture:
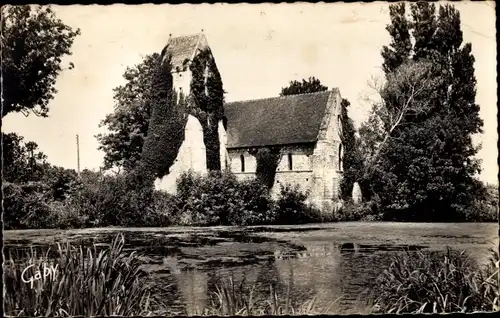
64	215
220	199
258	206
26	205
162	211
121	200
356	212
434	283
292	208
86	283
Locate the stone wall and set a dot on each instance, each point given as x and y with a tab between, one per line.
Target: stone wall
224	156
325	163
301	167
315	167
191	156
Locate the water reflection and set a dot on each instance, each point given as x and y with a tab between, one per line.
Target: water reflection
186	267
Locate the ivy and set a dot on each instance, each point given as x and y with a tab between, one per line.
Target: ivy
267	162
167	123
207	103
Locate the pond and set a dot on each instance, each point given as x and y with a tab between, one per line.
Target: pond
327	261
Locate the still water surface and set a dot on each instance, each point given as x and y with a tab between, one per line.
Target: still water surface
326	261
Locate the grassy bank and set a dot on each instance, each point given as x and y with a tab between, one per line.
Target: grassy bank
108	281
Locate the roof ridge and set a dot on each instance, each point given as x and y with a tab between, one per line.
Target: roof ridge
284	97
186	35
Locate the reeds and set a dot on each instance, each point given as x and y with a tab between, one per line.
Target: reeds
434	283
86	283
231	299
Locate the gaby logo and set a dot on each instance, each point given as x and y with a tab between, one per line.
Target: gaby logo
47	271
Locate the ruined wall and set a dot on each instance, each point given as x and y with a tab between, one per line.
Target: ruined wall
191	156
315	167
224	156
301	167
325	159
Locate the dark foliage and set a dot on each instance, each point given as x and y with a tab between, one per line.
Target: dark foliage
219	199
352	157
33	44
267	159
312	85
292	207
22	161
168	121
128	125
424	168
207	103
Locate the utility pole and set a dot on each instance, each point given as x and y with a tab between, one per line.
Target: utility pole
78	153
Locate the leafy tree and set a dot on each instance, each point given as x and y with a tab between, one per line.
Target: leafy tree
312	85
22	161
128	124
33	44
421	164
352	159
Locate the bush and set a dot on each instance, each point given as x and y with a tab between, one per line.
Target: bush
87	283
292	208
433	283
26	206
258	207
357	212
220	199
64	215
121	200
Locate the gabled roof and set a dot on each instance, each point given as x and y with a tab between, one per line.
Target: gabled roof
182	48
284	120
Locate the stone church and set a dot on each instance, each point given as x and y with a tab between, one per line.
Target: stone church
305	127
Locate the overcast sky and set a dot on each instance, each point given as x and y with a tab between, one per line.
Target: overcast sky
258	50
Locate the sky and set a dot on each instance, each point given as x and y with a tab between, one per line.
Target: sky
258	48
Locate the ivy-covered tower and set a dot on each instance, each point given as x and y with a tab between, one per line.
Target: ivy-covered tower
198	86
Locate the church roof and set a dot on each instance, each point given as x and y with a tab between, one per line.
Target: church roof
182	48
284	120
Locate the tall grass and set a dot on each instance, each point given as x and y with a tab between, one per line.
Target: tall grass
434	283
86	283
231	299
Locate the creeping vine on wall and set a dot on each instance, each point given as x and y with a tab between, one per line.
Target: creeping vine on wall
207	103
167	123
267	159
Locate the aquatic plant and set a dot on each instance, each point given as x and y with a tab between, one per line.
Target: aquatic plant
232	299
435	283
85	283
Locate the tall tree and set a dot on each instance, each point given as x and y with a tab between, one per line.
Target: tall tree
424	164
312	85
351	158
128	125
33	44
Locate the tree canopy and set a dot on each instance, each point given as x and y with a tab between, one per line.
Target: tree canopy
128	125
418	142
312	85
34	42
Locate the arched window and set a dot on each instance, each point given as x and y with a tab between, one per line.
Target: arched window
242	159
341	155
290	164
